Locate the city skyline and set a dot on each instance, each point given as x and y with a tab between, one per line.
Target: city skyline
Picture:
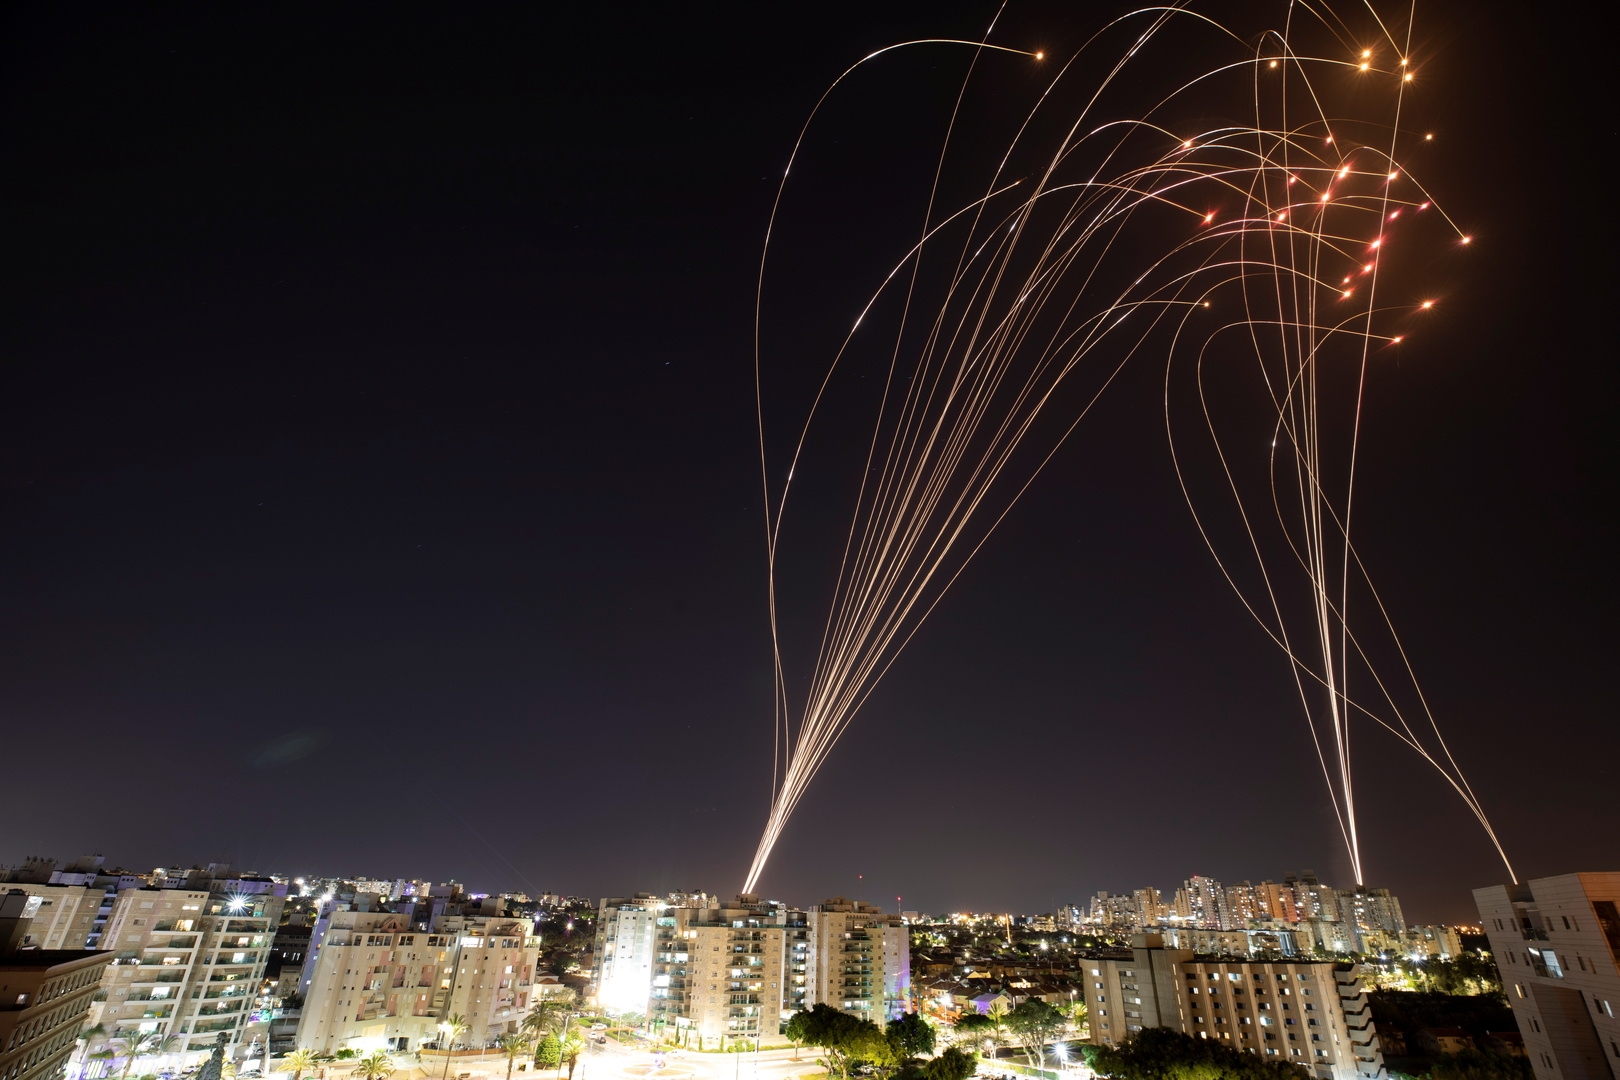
373	437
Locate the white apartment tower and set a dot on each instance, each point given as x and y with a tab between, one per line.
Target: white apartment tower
626	932
1557	944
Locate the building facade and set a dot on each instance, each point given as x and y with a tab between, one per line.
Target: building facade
44	994
1310	1013
187	962
859	959
1557	944
625	946
381	984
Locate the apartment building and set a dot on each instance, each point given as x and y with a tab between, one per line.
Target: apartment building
75	900
1310	1013
44	994
859	959
730	971
626	933
187	961
379	982
1557	944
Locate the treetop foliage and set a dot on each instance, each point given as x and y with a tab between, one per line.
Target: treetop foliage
1163	1054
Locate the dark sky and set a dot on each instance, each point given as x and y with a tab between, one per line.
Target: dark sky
380	490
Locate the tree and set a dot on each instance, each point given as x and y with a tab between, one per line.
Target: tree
797	1030
953	1064
376	1065
911	1035
847	1040
297	1062
548	1017
1163	1054
1479	1065
549	1053
152	1042
514	1045
572	1046
452	1026
1036	1023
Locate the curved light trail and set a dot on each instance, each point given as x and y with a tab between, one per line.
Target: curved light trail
1253	244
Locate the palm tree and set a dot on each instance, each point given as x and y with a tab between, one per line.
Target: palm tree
549	1017
572	1045
152	1042
514	1045
298	1061
452	1026
376	1066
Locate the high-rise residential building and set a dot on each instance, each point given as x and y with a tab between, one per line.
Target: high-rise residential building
626	932
1370	911
187	961
1113	913
1310	1013
859	959
1242	906
1201	902
728	971
1277	902
1149	907
1313	899
380	983
44	993
1557	944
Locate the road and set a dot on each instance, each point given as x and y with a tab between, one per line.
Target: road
614	1061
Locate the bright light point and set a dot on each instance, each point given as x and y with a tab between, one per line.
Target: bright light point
1367	269
1209	218
1467	239
1365	53
1427	304
1344	172
1206	303
1325	196
1291	179
1403	62
1330	140
1395	215
1375	243
1394	341
1282	216
1393	175
1407	77
1187	145
1347	294
1346	281
1040	56
1429	137
1365	66
1274	63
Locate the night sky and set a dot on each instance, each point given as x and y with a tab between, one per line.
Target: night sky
380	489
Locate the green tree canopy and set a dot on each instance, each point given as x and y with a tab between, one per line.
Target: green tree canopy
911	1035
1163	1054
1036	1023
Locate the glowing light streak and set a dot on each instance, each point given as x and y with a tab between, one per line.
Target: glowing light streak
1040	278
